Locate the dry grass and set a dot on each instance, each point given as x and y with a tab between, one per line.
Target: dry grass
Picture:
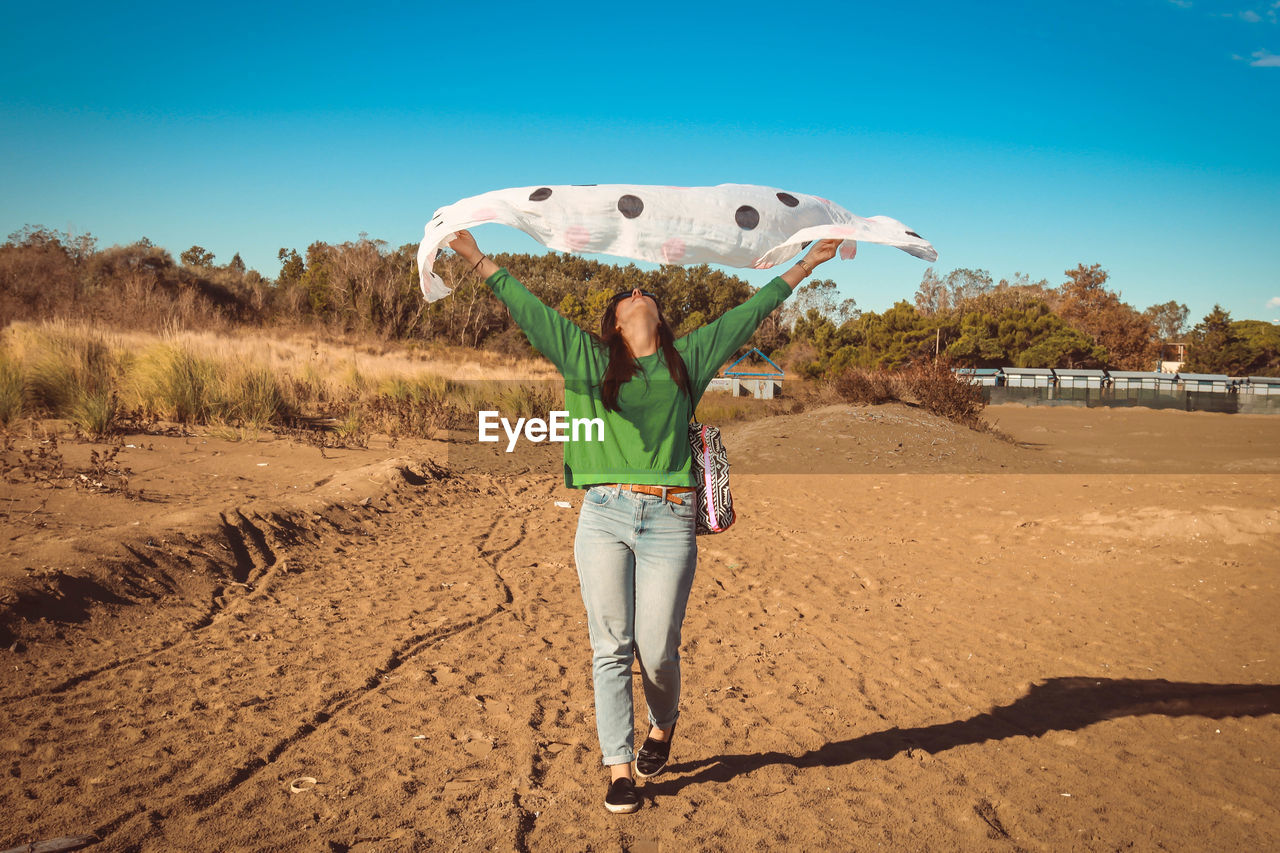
332	358
720	408
11	404
173	383
237	383
67	371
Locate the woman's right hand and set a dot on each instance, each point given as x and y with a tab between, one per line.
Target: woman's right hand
482	266
465	245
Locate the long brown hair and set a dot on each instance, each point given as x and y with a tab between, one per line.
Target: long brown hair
622	365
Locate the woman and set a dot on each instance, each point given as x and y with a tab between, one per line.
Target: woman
635	546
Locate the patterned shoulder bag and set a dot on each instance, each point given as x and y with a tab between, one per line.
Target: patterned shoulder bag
711	476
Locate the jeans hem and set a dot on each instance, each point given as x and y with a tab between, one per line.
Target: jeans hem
610	760
664	726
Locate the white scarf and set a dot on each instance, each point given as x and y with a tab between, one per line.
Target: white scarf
738	225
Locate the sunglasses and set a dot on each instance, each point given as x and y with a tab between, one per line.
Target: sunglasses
623	294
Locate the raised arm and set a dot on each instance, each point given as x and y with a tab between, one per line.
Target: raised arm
710	346
465	245
568	347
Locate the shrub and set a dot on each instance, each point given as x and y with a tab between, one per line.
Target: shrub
869	387
936	389
930	385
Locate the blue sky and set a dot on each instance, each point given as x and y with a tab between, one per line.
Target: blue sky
1017	137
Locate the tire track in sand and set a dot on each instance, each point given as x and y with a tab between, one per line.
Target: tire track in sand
215	641
408	650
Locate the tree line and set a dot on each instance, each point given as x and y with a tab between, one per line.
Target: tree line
969	320
367	288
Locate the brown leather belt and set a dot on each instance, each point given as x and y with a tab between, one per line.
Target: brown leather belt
665	492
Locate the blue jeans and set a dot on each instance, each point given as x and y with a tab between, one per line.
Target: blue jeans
636	556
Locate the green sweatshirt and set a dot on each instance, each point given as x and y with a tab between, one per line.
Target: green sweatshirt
647	440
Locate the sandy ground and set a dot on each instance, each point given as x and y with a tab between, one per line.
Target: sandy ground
920	638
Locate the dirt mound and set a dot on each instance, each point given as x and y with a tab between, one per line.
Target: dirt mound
845	439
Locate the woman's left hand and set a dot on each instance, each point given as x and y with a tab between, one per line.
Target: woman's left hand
819	252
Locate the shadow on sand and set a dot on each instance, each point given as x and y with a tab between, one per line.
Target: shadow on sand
1058	704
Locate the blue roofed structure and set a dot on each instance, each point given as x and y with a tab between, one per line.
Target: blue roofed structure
762	384
776	373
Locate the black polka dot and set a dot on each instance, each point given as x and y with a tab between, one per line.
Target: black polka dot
914	234
747	217
788	199
540	194
630	206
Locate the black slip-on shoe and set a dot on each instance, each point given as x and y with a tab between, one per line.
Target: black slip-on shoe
622	797
652	757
